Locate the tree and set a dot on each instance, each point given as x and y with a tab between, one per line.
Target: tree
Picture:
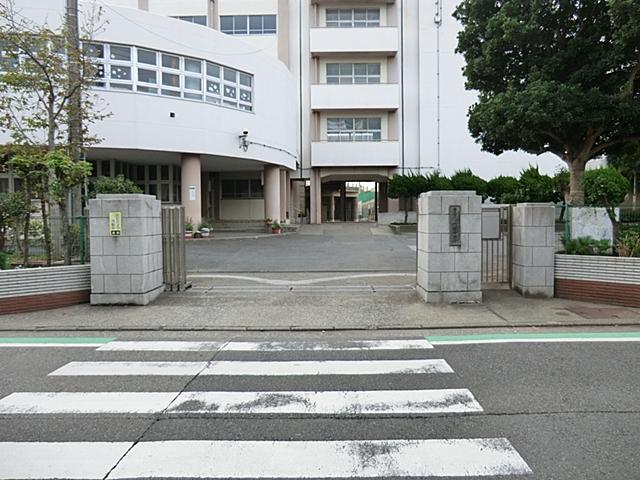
466	180
627	161
45	85
28	165
13	208
404	187
67	175
553	76
606	187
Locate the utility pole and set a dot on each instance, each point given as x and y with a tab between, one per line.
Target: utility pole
74	80
74	112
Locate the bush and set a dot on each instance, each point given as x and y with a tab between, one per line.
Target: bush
628	244
119	184
466	180
605	187
437	181
535	187
587	246
502	189
561	182
4	261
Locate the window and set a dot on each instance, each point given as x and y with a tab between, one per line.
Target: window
353	17
148	71
197	19
368	129
248	24
348	73
242	189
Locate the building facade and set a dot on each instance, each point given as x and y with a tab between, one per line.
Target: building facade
327	91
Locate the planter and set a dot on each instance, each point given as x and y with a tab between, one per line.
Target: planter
614	280
188	234
32	289
276	231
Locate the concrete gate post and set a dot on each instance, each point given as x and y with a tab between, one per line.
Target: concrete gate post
449	247
533	238
126	249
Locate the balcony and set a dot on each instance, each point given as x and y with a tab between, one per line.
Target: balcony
355	154
374	96
377	40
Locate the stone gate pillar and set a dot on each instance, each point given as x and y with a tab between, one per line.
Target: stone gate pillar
533	239
126	249
449	247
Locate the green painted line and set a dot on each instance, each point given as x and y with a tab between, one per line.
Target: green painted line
56	340
533	336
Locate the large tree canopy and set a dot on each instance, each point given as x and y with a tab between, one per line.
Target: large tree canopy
559	76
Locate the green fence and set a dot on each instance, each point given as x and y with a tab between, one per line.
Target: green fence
37	256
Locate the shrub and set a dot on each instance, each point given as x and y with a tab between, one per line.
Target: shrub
605	187
628	244
561	183
502	189
466	180
536	187
437	181
118	184
4	260
587	246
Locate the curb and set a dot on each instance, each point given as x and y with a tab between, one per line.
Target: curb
295	328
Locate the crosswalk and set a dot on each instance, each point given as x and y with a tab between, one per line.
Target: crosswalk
255	458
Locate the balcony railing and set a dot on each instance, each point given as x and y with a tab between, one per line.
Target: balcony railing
355	96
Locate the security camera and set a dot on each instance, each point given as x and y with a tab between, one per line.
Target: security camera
244	144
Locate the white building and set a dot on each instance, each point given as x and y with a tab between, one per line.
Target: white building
329	91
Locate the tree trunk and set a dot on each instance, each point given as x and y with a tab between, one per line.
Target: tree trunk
576	191
27	222
66	228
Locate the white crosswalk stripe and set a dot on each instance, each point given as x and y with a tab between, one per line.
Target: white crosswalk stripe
175	346
252	368
283	402
264	459
248	458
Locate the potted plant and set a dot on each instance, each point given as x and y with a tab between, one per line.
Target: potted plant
205	229
267	225
276	228
188	229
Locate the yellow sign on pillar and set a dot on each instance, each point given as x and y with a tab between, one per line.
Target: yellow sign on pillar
115	224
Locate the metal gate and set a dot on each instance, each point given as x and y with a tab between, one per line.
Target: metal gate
174	257
496	245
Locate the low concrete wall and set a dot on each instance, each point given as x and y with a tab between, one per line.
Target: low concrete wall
44	288
591	222
614	280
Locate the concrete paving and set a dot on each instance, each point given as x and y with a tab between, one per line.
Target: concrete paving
329	247
357	301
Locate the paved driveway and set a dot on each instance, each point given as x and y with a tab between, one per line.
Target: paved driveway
314	248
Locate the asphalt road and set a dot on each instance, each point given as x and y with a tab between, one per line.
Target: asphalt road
565	410
315	248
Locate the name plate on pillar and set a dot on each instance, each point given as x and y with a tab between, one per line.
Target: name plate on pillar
115	224
455	237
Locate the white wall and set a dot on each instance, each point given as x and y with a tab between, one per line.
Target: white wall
267	43
142	122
